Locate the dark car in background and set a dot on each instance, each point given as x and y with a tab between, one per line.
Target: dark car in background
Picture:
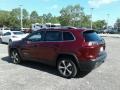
107	31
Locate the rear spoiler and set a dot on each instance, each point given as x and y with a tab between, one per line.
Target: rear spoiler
89	31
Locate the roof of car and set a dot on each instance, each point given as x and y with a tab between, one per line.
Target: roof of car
63	28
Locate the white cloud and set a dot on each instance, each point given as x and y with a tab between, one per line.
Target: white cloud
98	3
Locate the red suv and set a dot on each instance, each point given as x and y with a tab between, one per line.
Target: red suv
69	49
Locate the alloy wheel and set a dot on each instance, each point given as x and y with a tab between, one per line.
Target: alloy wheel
15	57
67	68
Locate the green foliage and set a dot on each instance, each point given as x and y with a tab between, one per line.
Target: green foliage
15	13
4	16
25	14
69	16
99	24
117	24
73	16
34	17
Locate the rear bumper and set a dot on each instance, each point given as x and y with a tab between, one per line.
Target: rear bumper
91	64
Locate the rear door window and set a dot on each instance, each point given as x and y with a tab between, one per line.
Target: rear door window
53	36
91	36
67	36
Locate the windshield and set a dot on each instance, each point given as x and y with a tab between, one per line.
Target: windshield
18	33
91	36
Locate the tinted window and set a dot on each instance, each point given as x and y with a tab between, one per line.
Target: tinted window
35	37
91	36
18	33
53	36
7	33
67	36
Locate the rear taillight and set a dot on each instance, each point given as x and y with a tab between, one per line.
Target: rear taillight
101	49
91	43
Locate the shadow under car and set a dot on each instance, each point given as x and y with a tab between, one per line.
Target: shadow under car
43	67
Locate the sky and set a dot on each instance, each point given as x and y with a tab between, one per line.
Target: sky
103	9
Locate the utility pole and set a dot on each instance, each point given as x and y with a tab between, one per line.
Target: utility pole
108	15
21	17
91	25
42	20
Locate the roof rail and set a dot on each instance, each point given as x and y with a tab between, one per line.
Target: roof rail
69	27
61	27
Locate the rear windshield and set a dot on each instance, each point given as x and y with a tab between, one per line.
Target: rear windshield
91	36
18	33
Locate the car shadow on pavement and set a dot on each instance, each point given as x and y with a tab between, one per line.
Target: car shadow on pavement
43	67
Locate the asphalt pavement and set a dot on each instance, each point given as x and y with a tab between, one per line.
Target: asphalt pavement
36	76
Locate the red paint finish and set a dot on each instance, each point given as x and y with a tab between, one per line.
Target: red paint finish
86	46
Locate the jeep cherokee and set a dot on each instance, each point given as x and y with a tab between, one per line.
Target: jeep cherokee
70	50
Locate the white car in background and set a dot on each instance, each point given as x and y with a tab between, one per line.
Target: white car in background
2	31
12	36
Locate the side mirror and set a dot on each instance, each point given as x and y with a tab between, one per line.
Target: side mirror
27	41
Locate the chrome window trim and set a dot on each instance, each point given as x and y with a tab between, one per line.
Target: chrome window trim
52	31
43	41
69	40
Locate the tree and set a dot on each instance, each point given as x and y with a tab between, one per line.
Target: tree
4	16
25	14
85	22
117	24
14	19
15	15
26	20
99	24
66	15
71	15
49	17
55	19
34	17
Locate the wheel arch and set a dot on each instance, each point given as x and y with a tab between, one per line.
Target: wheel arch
68	55
10	39
11	49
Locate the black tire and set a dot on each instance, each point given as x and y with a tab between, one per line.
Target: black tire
67	68
15	57
10	41
0	40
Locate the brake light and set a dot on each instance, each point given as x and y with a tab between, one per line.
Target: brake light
101	49
92	43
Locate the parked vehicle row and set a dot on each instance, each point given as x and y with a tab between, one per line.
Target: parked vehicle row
107	31
11	36
70	50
